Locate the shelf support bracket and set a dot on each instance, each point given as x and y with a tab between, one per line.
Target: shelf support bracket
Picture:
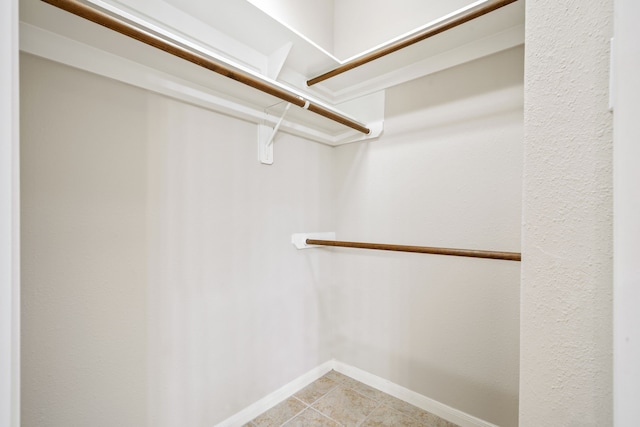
299	240
276	61
265	139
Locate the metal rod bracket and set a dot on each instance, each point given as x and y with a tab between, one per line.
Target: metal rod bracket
299	240
265	139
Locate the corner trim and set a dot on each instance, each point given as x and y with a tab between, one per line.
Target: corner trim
272	399
416	399
440	409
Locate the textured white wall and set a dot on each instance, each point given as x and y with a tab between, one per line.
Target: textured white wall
566	358
446	172
362	24
83	235
235	311
160	284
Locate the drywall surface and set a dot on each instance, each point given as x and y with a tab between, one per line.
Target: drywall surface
566	330
363	24
626	210
160	284
235	312
445	173
83	249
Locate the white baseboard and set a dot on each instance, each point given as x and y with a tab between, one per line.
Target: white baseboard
272	399
440	409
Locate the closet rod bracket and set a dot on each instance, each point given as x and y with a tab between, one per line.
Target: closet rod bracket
299	240
265	139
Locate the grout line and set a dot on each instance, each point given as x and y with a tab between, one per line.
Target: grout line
350	384
292	418
365	396
327	416
330	390
300	412
374	410
300	400
276	397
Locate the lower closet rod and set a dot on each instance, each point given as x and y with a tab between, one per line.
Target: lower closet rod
510	256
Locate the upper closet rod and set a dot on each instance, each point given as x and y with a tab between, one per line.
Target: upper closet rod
510	256
125	28
431	31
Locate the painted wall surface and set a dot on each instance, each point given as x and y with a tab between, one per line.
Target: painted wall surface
626	215
363	24
566	330
9	218
160	284
445	173
84	333
234	310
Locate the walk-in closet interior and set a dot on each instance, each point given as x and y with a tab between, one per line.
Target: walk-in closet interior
193	172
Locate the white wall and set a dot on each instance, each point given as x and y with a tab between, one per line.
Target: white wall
9	218
362	24
446	173
160	286
84	335
235	311
566	360
626	210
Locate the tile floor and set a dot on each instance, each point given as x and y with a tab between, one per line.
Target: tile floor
337	400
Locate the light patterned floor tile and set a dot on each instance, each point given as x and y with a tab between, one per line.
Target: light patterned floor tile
338	400
345	406
386	417
425	418
432	420
337	377
311	418
361	388
280	413
316	390
366	390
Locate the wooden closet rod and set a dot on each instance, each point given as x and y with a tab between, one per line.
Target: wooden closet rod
422	35
510	256
122	27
